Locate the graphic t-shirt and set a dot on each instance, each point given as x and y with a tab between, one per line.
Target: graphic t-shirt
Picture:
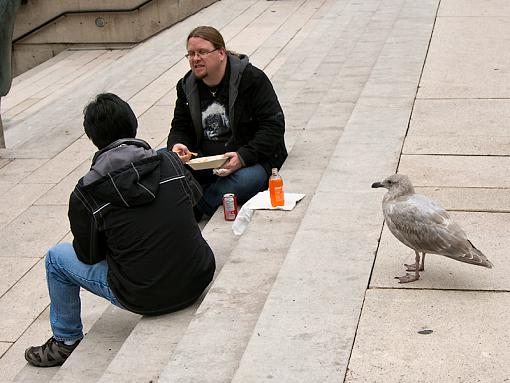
215	119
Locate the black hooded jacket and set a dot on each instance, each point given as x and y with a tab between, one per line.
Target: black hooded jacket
256	117
134	209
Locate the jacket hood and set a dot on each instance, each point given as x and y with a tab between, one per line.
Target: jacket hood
125	173
237	64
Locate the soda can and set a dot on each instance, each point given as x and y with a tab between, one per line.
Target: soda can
230	206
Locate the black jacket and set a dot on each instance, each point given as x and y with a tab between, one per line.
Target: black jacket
134	208
256	117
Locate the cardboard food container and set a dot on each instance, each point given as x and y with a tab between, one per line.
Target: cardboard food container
210	162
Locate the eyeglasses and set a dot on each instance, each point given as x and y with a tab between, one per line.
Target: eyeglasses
201	53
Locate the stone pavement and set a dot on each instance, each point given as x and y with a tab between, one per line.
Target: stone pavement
369	88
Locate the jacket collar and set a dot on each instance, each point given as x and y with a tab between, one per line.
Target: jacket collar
122	141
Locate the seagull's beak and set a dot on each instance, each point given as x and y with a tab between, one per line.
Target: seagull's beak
377	185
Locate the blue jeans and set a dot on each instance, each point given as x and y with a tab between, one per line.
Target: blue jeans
65	274
244	183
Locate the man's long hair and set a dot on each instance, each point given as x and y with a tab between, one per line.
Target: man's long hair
212	35
208	33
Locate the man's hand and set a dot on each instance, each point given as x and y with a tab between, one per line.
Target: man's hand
182	151
233	164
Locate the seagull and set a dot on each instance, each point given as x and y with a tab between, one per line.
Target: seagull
424	226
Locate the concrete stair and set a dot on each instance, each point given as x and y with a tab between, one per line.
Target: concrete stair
346	73
295	320
53	79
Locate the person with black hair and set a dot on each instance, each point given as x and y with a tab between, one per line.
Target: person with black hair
136	242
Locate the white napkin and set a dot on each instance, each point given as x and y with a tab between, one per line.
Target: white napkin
262	201
259	202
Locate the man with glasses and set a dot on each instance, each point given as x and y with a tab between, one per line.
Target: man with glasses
226	106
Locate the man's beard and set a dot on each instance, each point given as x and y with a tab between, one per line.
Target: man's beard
201	74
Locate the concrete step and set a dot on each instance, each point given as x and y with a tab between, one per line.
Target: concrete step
158	336
23	309
165	332
24	227
127	76
228	314
39	82
61	172
12	364
126	366
64	179
148	117
307	327
76	69
320	58
98	348
77	154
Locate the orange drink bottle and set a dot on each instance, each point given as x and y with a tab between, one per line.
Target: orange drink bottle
276	188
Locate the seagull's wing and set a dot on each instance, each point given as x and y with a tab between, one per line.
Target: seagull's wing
423	225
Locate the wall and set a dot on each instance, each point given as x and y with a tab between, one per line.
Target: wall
45	28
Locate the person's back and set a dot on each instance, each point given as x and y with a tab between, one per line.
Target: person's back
142	204
136	242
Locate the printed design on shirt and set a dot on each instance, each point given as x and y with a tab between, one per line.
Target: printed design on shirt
215	121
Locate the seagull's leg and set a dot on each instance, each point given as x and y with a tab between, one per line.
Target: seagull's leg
416	268
412	267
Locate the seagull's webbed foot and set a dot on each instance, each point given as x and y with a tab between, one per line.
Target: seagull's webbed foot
408	278
412	267
416	268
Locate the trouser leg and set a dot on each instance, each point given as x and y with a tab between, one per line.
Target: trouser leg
65	275
244	183
65	304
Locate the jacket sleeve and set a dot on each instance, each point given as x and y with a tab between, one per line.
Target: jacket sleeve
89	243
182	127
194	188
191	185
268	118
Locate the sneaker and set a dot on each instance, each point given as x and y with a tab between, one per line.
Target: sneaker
52	353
